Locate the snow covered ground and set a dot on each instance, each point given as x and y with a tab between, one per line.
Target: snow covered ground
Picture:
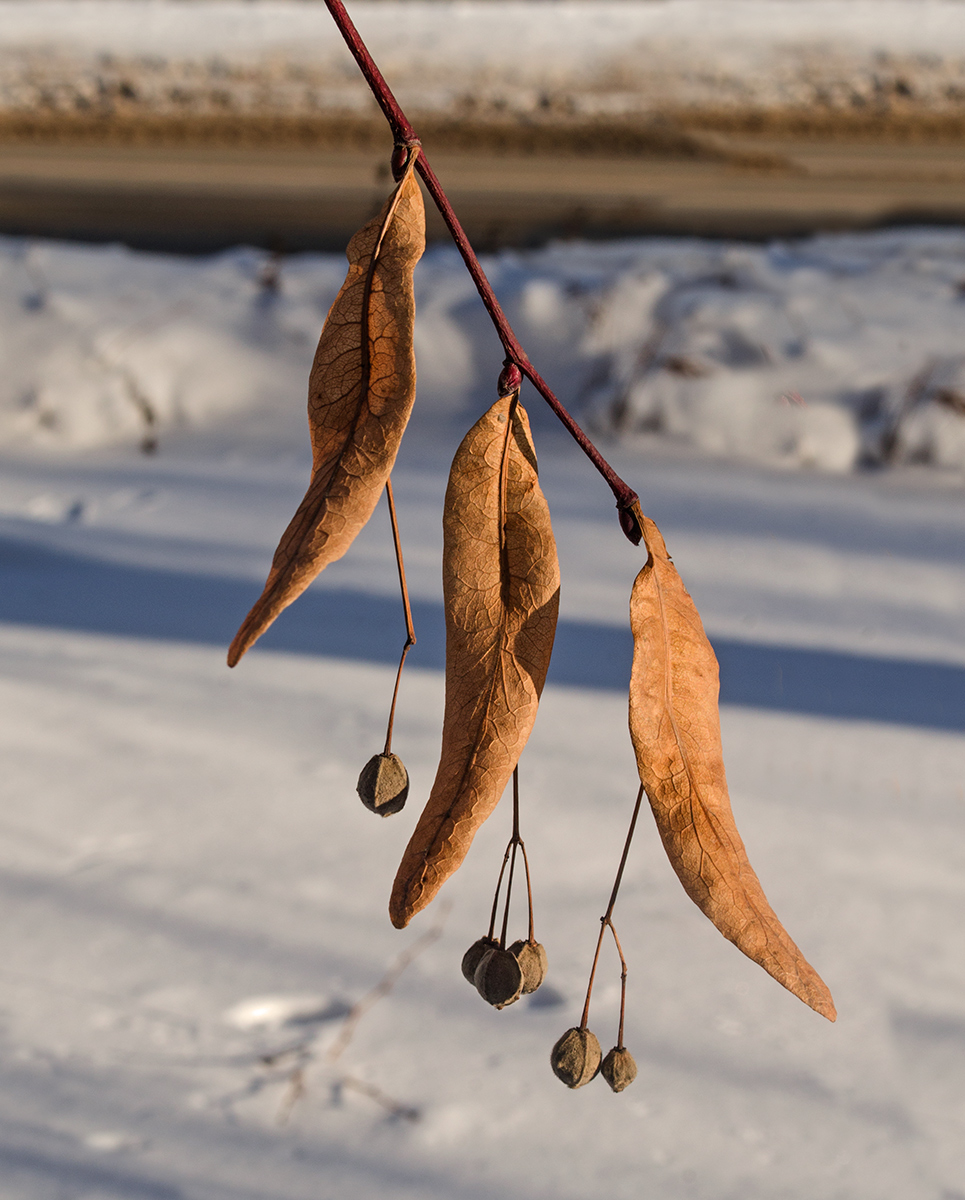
822	353
577	58
193	895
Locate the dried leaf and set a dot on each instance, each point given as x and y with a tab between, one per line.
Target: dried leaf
501	584
360	394
675	727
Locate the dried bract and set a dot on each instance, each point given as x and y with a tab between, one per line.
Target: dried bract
501	586
499	978
384	784
675	727
619	1069
532	962
576	1057
360	395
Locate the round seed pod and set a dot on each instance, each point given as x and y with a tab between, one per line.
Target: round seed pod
384	784
576	1057
499	978
532	962
473	956
619	1069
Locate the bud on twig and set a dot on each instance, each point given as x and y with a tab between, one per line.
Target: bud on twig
510	379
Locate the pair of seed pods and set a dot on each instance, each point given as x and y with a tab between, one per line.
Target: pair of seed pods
577	1058
502	976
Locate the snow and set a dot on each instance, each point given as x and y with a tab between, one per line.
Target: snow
824	353
582	57
194	898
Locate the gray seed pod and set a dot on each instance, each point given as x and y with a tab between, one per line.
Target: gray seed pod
619	1069
473	956
499	979
576	1057
532	962
384	784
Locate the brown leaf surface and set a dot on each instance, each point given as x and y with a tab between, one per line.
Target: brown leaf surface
502	584
675	727
360	394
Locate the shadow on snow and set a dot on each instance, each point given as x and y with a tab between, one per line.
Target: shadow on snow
48	588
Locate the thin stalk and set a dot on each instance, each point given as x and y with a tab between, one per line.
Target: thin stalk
410	638
628	503
510	858
529	890
509	893
623	984
605	921
522	845
623	858
514	841
499	884
589	986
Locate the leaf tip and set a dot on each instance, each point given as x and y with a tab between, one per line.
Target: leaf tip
237	648
809	987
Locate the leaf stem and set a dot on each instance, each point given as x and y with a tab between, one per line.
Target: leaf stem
628	504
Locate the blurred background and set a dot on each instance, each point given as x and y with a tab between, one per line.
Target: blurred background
731	234
195	125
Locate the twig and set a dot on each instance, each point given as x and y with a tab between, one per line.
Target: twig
393	1107
304	1054
628	503
383	987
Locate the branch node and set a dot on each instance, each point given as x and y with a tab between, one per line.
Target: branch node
631	519
510	379
402	154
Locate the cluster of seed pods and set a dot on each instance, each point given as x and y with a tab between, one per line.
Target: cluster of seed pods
577	1058
502	974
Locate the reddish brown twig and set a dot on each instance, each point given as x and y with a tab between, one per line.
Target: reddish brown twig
628	503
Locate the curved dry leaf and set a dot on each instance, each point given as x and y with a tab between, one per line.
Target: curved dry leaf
501	581
675	727
360	394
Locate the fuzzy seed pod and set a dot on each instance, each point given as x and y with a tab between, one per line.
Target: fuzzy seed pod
384	784
499	978
532	962
619	1069
576	1057
473	956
